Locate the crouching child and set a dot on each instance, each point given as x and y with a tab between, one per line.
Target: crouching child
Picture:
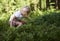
15	19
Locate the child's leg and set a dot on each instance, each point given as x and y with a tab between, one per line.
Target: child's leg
13	23
19	24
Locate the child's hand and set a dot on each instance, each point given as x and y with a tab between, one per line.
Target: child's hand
29	18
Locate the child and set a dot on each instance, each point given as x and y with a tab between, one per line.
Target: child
15	19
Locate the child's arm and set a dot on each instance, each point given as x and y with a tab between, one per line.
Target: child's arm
27	16
11	22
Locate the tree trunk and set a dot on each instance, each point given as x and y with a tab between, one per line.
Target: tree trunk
47	4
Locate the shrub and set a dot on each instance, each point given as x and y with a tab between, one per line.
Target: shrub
43	28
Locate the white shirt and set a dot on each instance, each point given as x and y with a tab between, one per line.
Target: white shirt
17	14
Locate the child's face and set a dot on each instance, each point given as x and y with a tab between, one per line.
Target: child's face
25	12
